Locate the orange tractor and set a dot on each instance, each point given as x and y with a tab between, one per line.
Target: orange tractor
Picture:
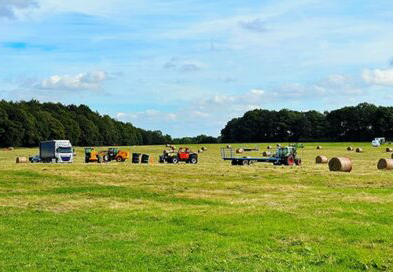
91	155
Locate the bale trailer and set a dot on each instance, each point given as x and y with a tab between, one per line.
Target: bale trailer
282	156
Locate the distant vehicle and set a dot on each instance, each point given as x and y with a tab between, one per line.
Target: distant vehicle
378	142
91	155
183	155
283	156
56	151
35	159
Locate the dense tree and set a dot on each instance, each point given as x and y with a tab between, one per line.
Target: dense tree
360	123
27	123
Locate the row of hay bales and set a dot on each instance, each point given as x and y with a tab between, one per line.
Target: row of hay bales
343	164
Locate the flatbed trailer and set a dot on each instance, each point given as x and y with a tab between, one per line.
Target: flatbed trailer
228	154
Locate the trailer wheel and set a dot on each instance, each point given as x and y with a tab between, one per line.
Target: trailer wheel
234	162
246	162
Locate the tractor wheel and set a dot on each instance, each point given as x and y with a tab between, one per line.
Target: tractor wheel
193	160
290	160
175	160
298	162
119	159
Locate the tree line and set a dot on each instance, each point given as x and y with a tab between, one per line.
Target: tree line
363	122
26	123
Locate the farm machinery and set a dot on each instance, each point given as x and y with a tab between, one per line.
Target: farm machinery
182	155
282	156
92	155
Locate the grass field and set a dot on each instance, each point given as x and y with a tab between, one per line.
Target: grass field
206	217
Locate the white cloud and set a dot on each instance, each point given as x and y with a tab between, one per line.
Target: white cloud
9	8
184	65
83	81
255	25
147	116
378	77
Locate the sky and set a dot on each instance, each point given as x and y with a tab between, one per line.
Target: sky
187	67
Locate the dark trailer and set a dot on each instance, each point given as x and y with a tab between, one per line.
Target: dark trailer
282	156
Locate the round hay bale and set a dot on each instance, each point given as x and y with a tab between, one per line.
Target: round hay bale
200	151
269	147
204	148
388	149
385	164
319	147
340	164
278	145
10	148
266	154
239	150
21	160
350	148
321	159
359	150
168	145
229	146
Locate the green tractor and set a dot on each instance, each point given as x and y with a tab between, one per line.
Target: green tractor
287	156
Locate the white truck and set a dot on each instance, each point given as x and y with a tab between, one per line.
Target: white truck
56	151
378	141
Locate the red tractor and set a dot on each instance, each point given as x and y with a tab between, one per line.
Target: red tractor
183	155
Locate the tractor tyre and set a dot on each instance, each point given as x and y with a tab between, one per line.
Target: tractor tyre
175	160
119	159
193	160
298	162
290	160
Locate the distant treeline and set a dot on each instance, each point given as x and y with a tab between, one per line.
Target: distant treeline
360	123
27	123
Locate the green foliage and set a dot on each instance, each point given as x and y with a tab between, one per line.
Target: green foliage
27	123
361	123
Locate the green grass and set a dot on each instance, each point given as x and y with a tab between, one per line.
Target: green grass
206	217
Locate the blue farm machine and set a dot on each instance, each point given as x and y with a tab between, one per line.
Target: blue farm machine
283	156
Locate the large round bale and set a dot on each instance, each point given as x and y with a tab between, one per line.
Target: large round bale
340	164
385	164
389	149
319	147
21	160
204	148
278	145
239	150
350	148
229	146
269	147
359	150
199	151
266	154
321	159
168	145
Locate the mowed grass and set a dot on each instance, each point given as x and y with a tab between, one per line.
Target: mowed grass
206	217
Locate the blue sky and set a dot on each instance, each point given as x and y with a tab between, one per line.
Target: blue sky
187	67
